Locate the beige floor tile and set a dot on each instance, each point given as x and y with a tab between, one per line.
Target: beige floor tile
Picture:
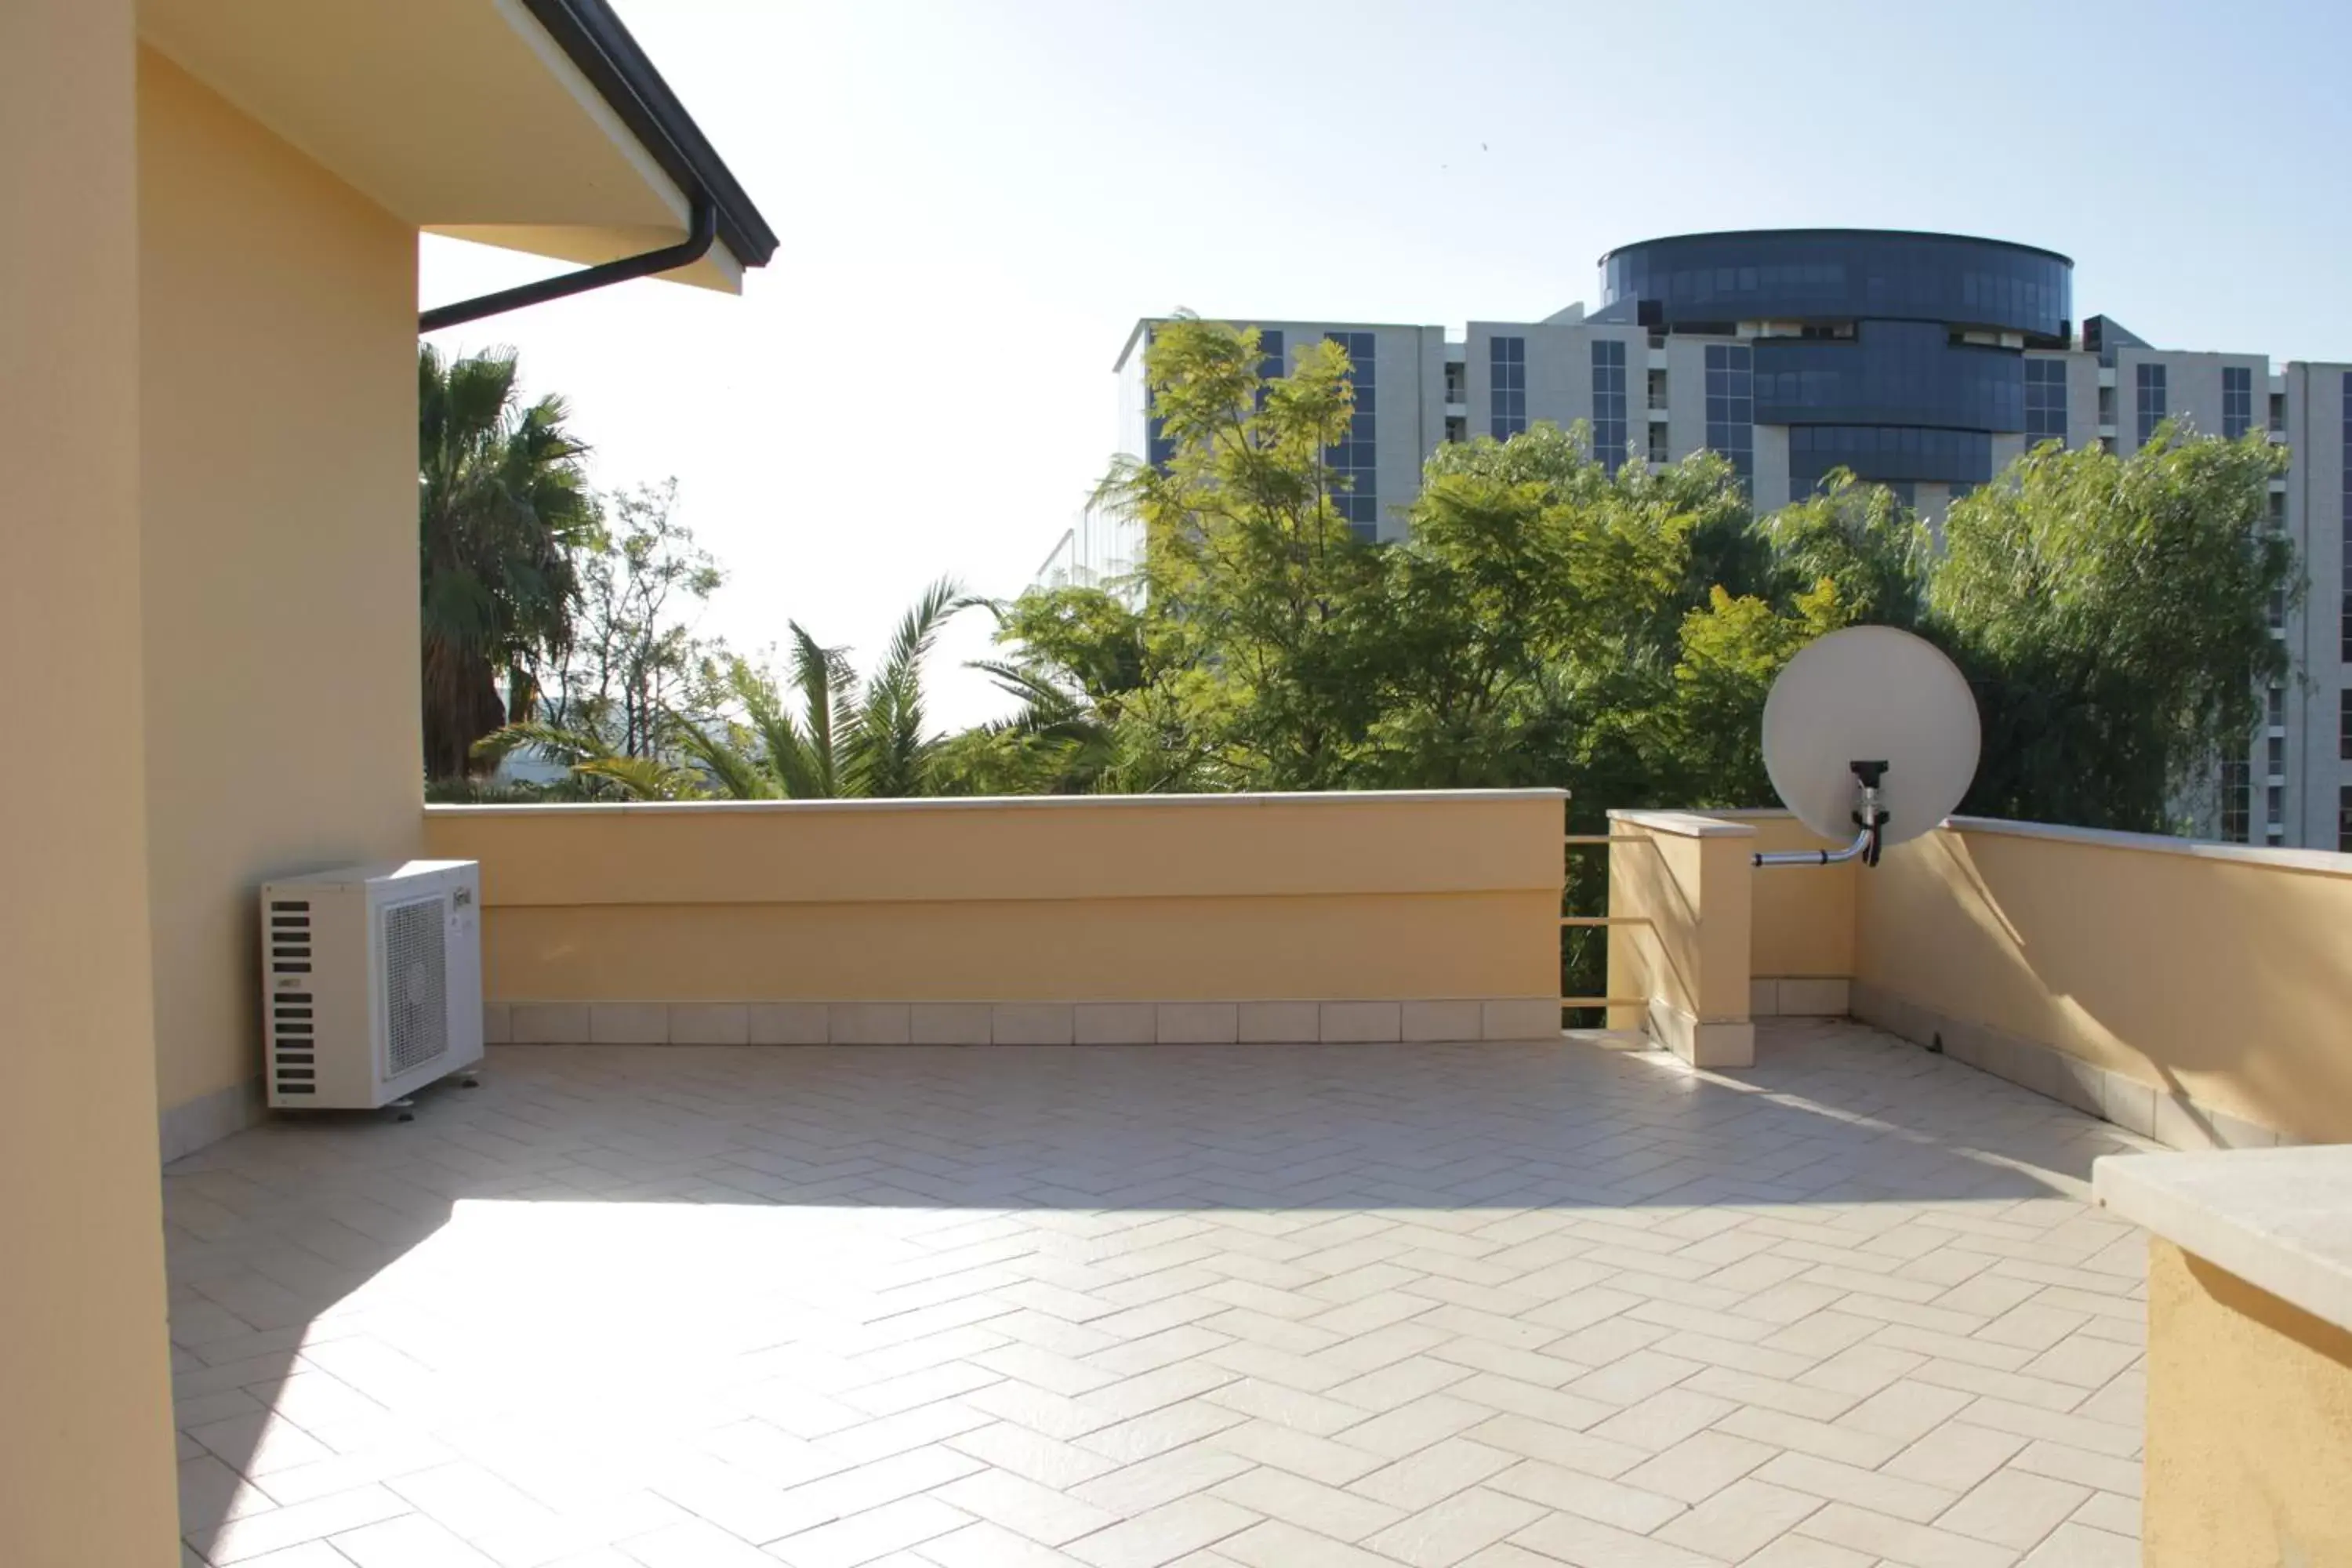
1589	1497
1446	1533
1874	1489
863	1537
1425	1479
1955	1456
1160	1534
1803	1552
2079	1546
1566	1538
1171	1303
1042	1513
985	1545
2015	1508
1699	1465
411	1540
1740	1519
2107	1511
251	1535
1310	1505
695	1544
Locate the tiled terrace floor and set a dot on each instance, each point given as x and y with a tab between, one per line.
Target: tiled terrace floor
1282	1307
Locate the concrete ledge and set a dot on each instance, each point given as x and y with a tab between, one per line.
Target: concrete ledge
2280	1219
2176	1120
925	805
1684	824
1419	1021
208	1119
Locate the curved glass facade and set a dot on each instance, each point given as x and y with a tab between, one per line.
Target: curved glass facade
1880	381
1897	373
1846	275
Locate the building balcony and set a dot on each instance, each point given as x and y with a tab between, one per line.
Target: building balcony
1102	1181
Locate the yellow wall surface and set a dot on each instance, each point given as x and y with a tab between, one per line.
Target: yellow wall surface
1803	915
86	1466
2212	971
2249	1425
277	455
1216	898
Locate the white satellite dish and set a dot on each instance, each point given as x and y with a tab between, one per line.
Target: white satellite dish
1869	732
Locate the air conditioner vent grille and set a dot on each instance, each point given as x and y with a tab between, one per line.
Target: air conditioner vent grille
291	1023
290	937
415	984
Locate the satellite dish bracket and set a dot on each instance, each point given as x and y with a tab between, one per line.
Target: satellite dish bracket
1869	817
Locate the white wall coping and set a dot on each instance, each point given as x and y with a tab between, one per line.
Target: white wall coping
1685	823
2327	862
1006	803
2280	1219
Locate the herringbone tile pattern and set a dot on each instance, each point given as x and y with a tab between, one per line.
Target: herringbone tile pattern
1502	1305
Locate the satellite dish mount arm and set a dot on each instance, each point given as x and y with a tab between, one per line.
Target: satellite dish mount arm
1869	816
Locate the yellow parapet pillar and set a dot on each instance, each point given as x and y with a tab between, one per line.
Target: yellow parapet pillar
1681	900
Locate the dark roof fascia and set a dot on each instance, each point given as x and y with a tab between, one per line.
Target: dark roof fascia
624	77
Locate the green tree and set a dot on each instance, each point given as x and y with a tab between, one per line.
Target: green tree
502	506
2113	614
1256	587
1527	625
1095	715
634	660
868	739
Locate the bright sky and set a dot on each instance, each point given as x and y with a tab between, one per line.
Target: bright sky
977	198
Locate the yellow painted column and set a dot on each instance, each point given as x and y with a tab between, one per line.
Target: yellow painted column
86	1462
1686	881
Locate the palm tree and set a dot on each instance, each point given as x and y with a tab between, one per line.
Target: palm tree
848	737
603	772
887	751
501	499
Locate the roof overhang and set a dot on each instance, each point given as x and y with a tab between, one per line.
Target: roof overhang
536	125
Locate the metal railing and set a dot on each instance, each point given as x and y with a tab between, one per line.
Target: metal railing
1576	922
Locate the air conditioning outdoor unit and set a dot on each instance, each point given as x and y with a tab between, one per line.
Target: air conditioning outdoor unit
371	981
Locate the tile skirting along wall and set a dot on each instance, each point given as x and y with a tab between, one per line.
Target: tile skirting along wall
2174	1120
1800	996
187	1127
1017	1022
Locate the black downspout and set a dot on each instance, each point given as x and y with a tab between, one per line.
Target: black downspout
702	230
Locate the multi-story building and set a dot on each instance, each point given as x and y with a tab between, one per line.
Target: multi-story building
1923	361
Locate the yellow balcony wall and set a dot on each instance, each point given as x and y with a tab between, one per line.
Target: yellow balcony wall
2204	983
1228	899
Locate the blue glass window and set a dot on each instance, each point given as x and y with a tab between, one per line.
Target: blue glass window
1731	404
2237	800
1507	386
1888	453
1889	373
2045	401
1355	458
1272	364
1821	274
2344	523
2148	388
2237	400
1609	402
